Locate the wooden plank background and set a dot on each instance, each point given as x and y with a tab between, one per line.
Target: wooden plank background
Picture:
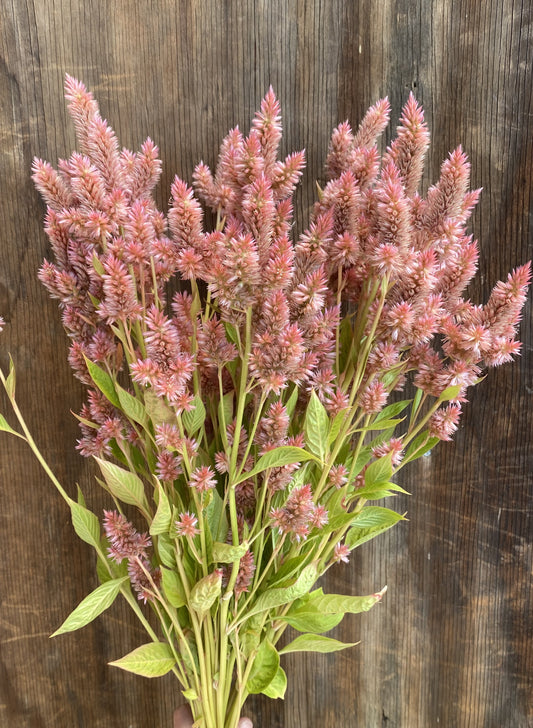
451	645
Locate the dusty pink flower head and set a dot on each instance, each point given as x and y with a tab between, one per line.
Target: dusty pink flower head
186	525
202	479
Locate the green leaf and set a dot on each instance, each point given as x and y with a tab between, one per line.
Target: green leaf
381	425
288	569
151	660
85	524
372	516
305	616
379	470
157	410
131	406
163	515
279	456
291	402
225	409
450	393
11	379
190	695
92	606
345	342
315	643
420	446
285	595
392	410
166	550
123	484
215	514
358	535
336	425
264	668
173	588
316	427
205	592
225	553
277	686
193	420
343	604
103	381
380	489
5	427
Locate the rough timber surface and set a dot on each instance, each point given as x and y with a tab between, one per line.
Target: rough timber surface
451	644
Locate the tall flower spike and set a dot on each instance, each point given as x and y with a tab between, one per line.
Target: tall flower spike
409	148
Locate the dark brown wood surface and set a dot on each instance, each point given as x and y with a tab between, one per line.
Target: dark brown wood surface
451	645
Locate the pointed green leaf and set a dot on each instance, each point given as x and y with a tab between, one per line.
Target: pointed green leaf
92	606
264	668
11	379
336	425
285	595
216	517
372	516
123	484
131	406
5	427
316	427
313	622
193	420
345	604
380	489
190	695
379	470
278	685
392	410
358	535
157	409
173	588
315	643
151	660
291	402
85	524
279	456
225	553
205	592
422	444
103	381
450	393
163	515
166	550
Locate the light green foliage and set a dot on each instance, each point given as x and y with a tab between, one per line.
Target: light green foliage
151	660
92	606
315	643
264	668
316	427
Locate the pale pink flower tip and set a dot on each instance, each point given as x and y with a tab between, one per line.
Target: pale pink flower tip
202	479
341	552
186	525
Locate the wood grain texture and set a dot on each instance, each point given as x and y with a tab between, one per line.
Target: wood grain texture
452	643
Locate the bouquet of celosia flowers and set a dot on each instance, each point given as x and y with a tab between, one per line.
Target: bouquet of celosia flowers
244	425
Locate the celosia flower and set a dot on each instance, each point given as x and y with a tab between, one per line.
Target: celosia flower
341	552
126	542
202	479
186	525
296	516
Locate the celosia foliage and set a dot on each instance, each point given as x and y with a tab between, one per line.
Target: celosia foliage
251	417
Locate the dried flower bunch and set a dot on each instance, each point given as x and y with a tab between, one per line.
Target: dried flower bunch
245	423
